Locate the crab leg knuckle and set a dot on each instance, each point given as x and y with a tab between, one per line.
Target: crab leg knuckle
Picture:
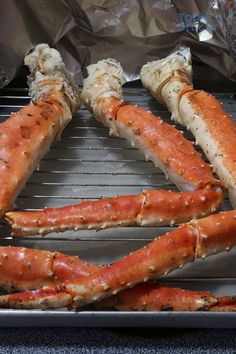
71	267
216	233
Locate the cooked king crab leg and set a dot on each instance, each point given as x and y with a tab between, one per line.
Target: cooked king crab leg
24	269
27	134
196	239
148	208
160	142
143	297
170	81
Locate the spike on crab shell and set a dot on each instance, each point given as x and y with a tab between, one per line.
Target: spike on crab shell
106	287
115	292
152	268
129	285
41	231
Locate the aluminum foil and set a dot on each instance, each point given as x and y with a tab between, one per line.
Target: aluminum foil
133	32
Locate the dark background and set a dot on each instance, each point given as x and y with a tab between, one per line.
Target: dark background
126	340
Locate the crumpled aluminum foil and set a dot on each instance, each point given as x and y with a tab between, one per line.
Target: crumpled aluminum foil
133	32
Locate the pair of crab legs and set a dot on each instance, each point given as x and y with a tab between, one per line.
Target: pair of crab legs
60	280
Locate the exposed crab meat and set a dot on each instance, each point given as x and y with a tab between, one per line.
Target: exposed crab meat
102	91
169	80
27	134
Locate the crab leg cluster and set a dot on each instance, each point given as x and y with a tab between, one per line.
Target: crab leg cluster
61	280
27	134
170	81
54	280
161	143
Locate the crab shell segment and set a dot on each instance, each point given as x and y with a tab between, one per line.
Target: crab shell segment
45	271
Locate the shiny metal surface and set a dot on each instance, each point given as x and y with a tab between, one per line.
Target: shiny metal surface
88	164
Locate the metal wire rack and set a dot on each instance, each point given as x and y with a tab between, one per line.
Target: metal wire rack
87	164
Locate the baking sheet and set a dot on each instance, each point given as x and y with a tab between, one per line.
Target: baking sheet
88	164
